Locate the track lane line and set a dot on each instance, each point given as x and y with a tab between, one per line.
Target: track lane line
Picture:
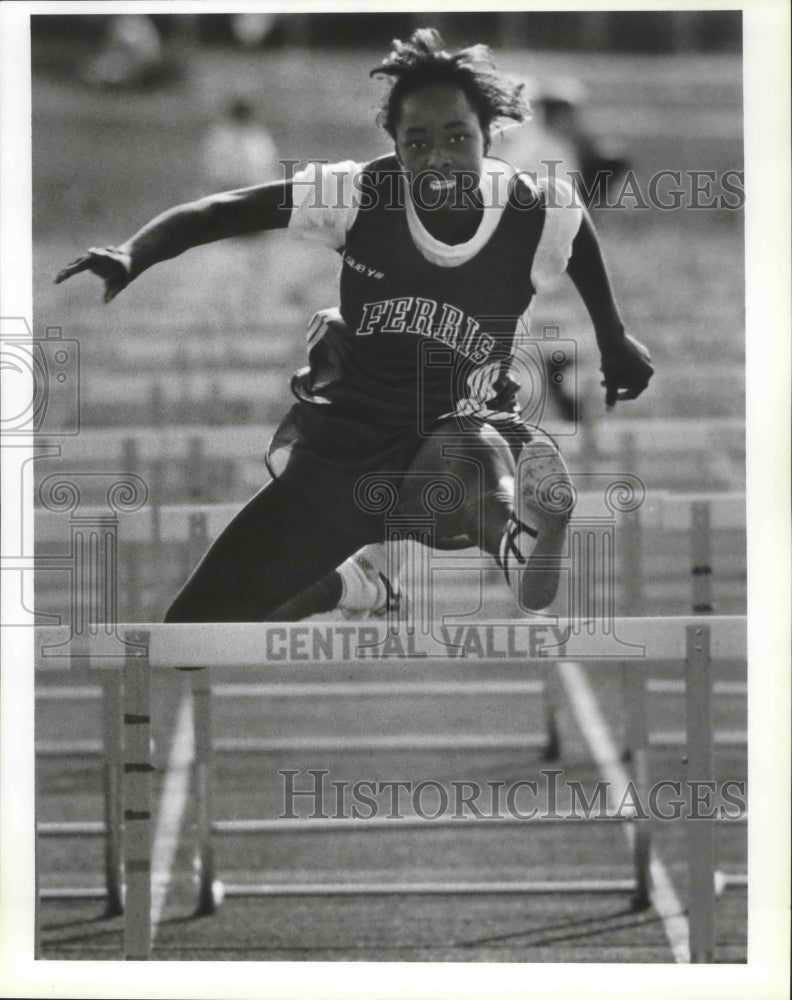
597	735
173	802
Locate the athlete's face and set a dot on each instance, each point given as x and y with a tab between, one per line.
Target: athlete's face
439	142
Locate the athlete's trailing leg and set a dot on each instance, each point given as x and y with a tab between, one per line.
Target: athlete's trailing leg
366	584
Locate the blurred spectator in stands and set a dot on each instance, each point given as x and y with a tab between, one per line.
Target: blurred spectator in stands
238	149
556	140
251	30
135	53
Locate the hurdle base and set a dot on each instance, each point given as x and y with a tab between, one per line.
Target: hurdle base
729	880
210	896
552	748
86	893
641	900
116	899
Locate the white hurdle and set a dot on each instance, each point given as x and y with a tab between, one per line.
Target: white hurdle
193	526
700	515
705	518
701	833
205	462
610	439
696	641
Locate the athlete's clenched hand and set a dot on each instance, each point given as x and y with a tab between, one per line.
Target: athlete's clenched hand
627	368
111	265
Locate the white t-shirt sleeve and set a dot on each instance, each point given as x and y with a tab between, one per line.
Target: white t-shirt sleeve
563	216
326	201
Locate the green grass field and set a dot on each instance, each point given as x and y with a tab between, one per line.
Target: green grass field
104	164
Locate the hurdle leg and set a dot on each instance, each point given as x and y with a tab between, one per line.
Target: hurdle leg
111	725
631	600
161	594
552	701
637	742
37	910
700	832
195	478
701	557
202	721
630	561
130	597
197	540
137	798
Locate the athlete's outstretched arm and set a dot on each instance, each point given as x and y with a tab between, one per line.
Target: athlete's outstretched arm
626	364
217	217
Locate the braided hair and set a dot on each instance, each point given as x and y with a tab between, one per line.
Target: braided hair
422	59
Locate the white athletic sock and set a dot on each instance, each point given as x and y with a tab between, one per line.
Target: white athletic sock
359	593
370	580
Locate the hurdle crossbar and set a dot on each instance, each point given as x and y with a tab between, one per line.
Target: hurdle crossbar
151	448
726	689
539	640
356	744
69	748
720	738
581	886
248	441
385	825
59	693
191	527
372	689
86	893
663	510
72	828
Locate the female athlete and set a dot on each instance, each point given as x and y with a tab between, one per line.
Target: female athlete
412	376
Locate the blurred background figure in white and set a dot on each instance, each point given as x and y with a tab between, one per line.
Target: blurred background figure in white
555	139
132	54
238	149
252	29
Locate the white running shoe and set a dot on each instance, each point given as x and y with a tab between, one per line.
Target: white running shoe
370	584
530	552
